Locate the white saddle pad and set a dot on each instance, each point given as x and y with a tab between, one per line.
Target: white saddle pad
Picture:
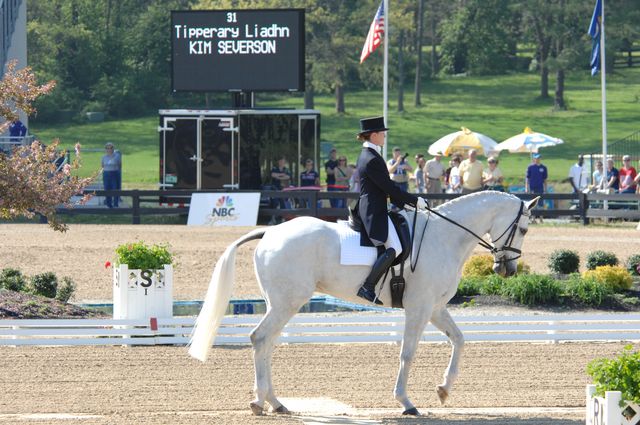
351	253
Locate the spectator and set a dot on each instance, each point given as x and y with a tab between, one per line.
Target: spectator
434	171
597	176
419	174
627	173
343	175
398	170
471	173
309	176
280	175
454	185
613	177
536	178
17	130
111	168
330	169
354	181
492	178
280	178
578	176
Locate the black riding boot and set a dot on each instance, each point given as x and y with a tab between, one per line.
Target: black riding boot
367	290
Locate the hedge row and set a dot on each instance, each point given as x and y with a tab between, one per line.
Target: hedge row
44	284
566	261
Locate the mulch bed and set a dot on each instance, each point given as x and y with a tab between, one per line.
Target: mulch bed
18	305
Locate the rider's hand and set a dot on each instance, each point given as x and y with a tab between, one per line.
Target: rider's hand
421	204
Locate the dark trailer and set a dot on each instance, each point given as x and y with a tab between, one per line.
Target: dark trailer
234	149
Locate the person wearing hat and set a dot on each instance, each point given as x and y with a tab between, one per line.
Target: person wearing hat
434	171
628	183
536	180
370	212
399	169
111	166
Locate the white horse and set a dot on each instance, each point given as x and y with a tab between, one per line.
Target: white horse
301	256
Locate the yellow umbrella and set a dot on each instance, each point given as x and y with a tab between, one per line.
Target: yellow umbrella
464	140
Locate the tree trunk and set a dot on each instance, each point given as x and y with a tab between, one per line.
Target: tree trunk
401	71
559	99
309	101
418	82
435	66
544	81
340	99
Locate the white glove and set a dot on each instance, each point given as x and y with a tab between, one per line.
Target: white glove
422	204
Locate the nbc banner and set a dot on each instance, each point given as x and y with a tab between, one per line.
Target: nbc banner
223	209
374	38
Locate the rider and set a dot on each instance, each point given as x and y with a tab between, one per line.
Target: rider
371	208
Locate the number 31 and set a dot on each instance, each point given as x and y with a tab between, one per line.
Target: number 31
231	17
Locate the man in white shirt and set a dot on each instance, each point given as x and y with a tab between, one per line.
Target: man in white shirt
434	171
578	176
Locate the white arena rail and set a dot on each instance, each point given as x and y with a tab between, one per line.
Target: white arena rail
365	328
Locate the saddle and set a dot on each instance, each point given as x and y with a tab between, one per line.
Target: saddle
404	234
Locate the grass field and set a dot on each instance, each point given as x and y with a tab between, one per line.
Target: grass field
498	106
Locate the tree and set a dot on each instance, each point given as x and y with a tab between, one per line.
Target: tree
30	179
419	30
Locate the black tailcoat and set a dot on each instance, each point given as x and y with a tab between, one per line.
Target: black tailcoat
375	187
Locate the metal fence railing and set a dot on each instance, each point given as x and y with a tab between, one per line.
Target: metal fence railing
580	207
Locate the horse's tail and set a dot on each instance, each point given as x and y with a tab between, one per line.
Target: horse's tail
217	298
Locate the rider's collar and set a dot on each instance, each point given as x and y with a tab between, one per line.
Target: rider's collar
368	144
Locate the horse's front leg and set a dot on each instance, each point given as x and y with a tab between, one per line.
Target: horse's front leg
442	320
413	328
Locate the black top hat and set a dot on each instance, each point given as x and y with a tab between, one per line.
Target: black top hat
372	125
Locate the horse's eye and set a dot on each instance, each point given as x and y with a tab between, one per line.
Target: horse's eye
523	231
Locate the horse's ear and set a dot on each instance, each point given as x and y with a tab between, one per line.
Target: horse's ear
532	203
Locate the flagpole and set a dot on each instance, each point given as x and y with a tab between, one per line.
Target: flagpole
603	85
385	78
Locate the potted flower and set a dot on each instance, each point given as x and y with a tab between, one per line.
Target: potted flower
142	281
614	397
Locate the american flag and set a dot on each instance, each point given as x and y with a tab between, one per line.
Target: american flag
375	31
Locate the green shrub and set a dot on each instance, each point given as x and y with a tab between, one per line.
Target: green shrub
469	286
492	285
138	255
564	261
523	267
633	264
13	280
45	284
66	290
617	278
601	258
619	374
587	290
478	265
532	289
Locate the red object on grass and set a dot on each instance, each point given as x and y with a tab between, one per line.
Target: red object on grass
107	264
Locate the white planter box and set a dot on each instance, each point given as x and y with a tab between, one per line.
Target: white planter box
141	294
610	409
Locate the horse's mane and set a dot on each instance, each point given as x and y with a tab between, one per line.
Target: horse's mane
454	202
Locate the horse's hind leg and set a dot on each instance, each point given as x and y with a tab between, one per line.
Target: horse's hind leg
442	320
263	338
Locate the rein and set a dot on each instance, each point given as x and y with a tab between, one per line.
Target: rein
489	246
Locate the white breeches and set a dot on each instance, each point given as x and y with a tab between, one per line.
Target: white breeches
393	241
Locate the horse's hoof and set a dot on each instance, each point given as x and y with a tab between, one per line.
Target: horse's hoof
411	412
256	410
442	394
282	410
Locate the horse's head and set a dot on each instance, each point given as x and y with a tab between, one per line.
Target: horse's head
507	235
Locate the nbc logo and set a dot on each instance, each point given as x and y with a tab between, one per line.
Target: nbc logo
224	201
223	209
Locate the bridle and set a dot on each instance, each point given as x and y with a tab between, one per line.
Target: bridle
499	254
